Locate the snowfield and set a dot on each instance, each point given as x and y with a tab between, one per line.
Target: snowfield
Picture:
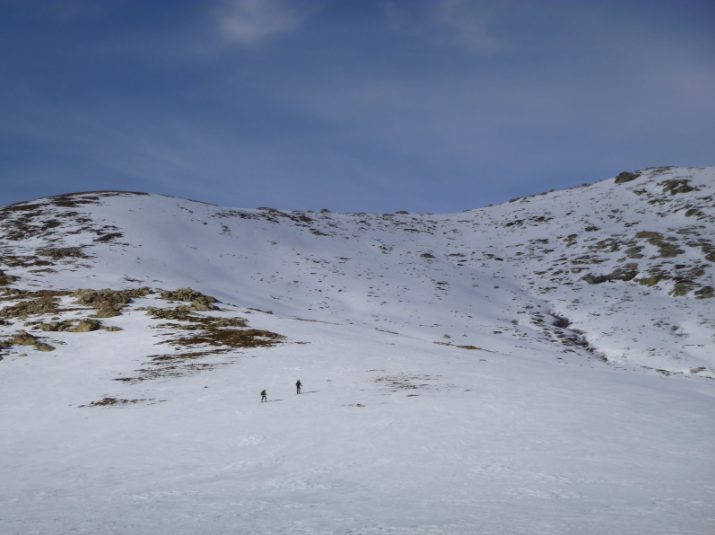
542	366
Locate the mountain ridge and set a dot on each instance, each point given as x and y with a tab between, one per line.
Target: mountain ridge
541	366
545	242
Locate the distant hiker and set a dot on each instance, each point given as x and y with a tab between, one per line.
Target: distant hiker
264	396
298	384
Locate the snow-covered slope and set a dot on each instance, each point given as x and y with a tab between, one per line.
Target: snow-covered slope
541	366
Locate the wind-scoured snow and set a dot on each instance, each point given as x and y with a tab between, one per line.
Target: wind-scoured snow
541	366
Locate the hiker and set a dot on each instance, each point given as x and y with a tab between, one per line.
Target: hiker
298	384
264	396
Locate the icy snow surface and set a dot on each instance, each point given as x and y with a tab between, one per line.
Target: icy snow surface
492	371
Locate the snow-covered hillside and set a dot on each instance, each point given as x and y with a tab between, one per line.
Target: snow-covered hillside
541	366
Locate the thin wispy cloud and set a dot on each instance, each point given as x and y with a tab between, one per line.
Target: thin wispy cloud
446	23
463	23
251	22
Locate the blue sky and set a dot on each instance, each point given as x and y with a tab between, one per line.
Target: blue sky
352	105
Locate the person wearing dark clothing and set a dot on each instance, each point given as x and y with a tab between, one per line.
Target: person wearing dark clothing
298	386
264	396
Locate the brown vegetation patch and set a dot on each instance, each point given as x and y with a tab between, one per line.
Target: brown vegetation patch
187	356
395	383
24	261
198	300
107	302
23	338
59	253
525	222
468	347
233	338
667	247
609	244
43	304
706	292
676	185
175	365
681	288
626	273
634	251
213	331
5	279
626	176
21	207
71	200
104	238
195	321
586	259
70	326
222	334
110	401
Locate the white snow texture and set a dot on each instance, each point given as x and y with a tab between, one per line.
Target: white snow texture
541	366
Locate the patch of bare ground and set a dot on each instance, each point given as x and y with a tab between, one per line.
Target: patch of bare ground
25	261
232	338
231	333
112	401
174	365
23	338
32	304
468	347
197	300
60	253
107	302
50	219
196	338
111	236
5	279
70	326
397	383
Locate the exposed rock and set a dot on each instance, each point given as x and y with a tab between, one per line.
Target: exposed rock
228	332
104	238
72	326
234	338
651	280
108	401
180	313
626	273
5	279
58	253
108	303
23	338
667	247
681	288
675	186
198	300
87	325
706	292
626	176
46	304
